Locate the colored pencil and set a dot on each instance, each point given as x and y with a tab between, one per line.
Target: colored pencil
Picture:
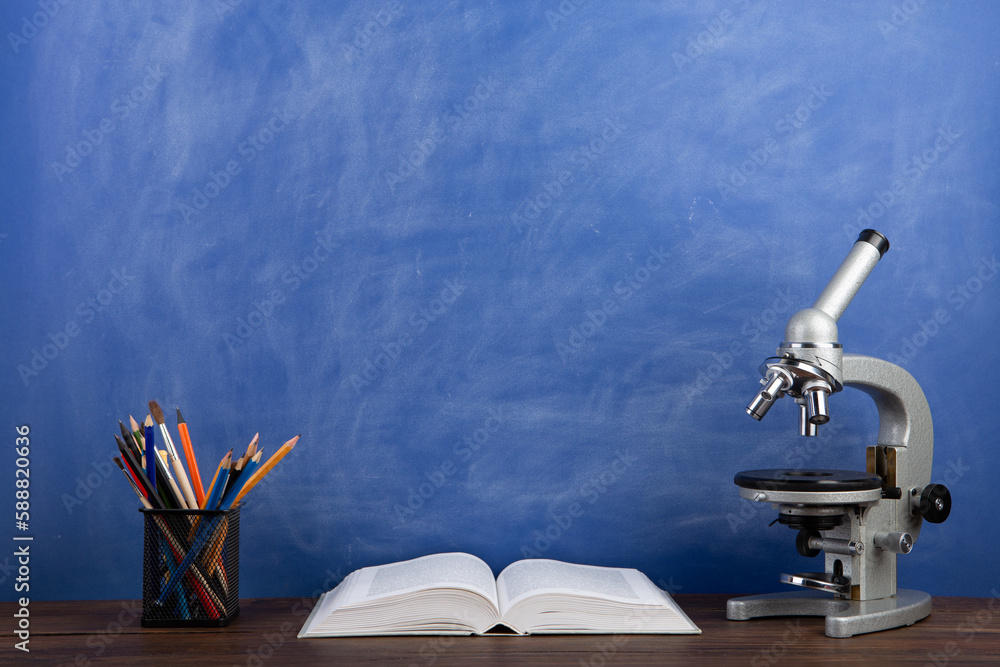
211	487
166	484
235	470
248	471
182	428
137	433
252	447
142	498
144	482
127	437
150	445
266	468
221	477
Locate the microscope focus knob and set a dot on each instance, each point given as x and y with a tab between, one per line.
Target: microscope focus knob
935	503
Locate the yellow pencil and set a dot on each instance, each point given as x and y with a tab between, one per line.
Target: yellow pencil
266	468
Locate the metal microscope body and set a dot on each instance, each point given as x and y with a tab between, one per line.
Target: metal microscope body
863	520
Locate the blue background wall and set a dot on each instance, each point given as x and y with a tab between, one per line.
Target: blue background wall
565	232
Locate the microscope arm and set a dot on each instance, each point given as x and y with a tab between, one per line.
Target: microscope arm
905	445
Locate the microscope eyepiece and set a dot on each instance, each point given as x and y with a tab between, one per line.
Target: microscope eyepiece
878	240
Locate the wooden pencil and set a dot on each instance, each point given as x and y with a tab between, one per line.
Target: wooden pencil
266	468
212	500
137	432
252	447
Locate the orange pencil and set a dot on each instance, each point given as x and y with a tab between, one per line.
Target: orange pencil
199	491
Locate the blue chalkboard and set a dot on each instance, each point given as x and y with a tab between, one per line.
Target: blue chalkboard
509	268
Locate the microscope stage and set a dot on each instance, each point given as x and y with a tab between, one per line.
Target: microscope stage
796	485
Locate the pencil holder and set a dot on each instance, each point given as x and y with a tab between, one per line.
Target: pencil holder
191	568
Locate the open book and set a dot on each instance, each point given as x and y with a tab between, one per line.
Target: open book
455	594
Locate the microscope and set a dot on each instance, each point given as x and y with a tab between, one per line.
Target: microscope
860	521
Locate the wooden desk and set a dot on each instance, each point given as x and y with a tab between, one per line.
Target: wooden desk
960	631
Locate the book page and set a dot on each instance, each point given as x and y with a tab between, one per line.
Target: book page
548	596
458	570
527	577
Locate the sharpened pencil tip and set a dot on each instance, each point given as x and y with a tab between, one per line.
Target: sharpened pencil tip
180	419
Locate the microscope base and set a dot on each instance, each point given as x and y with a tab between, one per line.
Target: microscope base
844	618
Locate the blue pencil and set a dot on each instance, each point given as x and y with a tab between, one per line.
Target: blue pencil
220	483
248	471
150	454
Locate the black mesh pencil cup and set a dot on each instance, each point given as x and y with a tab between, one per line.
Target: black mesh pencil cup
191	568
